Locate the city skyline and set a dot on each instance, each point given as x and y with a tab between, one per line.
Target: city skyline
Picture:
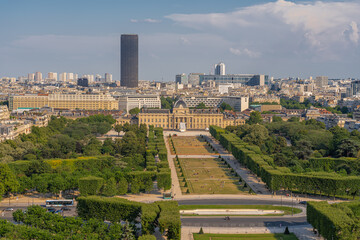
282	38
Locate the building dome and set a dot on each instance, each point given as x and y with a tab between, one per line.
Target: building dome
180	104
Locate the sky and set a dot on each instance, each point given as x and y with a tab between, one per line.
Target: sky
279	38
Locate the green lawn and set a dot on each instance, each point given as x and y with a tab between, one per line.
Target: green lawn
276	236
191	146
287	210
208	176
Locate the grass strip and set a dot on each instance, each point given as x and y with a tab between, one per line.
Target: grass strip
287	210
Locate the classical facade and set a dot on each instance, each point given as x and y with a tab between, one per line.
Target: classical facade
194	119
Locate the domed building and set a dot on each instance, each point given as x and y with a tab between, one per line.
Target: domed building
181	117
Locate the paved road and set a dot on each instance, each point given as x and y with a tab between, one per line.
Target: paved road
8	214
237	202
242	221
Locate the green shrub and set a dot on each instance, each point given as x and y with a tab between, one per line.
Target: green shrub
90	185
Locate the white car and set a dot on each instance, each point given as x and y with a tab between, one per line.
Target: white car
9	209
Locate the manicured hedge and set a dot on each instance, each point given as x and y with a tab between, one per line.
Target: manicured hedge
164	174
277	178
327	163
165	213
169	219
164	180
216	131
90	185
140	180
335	221
118	209
111	209
147	237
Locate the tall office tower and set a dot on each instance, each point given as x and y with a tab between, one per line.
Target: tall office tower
38	76
194	78
90	77
31	76
52	76
220	69
129	60
70	76
354	89
181	78
321	81
108	77
98	78
62	77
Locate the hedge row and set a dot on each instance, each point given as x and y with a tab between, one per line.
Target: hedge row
278	178
327	163
90	185
22	166
164	173
169	219
216	131
166	213
335	221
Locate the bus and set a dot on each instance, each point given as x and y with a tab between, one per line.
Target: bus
59	203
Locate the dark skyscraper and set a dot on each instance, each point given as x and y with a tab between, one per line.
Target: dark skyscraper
129	60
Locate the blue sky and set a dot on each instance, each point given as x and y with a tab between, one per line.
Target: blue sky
279	38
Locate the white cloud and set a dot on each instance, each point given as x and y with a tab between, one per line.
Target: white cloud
146	20
319	26
150	20
353	32
245	51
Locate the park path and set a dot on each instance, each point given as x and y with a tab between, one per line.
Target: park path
175	188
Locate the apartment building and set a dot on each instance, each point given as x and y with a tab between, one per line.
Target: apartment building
127	103
64	101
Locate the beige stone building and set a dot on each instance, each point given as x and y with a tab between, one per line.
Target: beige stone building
64	101
190	118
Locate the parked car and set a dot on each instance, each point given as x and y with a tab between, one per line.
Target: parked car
65	209
302	202
58	211
9	209
51	209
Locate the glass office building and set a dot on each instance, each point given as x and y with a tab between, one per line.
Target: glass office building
245	79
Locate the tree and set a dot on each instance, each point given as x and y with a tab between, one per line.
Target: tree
134	111
303	149
256	134
118	128
224	106
255	118
294	119
348	148
110	188
276	119
122	186
18	216
167	103
108	147
201	106
56	184
127	232
8	179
